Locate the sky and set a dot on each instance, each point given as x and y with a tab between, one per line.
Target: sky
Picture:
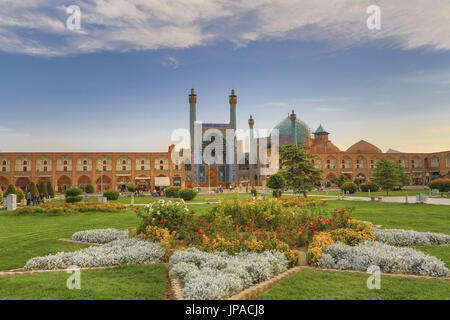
121	82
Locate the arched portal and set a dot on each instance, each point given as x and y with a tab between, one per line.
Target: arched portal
83	181
4	183
63	183
23	183
103	183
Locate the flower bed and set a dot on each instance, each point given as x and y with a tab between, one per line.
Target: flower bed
404	238
72	208
100	235
388	258
126	251
209	276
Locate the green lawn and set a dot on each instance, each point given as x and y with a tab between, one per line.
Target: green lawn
377	193
419	217
441	252
332	285
123	282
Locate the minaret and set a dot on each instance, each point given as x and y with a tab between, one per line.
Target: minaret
233	102
251	122
192	116
293	117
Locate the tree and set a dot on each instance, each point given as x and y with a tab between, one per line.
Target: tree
131	187
298	169
277	183
10	190
50	190
42	188
33	189
340	180
388	174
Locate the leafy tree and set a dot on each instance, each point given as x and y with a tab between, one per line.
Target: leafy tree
340	180
388	174
42	188
50	190
298	169
33	189
277	183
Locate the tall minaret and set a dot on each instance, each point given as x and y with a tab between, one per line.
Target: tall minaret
251	123
233	102
192	116
293	117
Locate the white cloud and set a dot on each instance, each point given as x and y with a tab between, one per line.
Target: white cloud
170	62
38	26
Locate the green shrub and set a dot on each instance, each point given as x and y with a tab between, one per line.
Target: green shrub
42	188
369	185
172	192
73	195
349	186
111	194
89	189
253	192
187	194
50	190
442	184
73	199
73	192
10	190
20	195
276	182
131	187
1	196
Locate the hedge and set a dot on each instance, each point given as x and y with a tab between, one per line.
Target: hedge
111	194
369	185
349	186
442	184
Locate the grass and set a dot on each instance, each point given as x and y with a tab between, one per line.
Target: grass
332	285
419	217
441	252
377	193
27	236
123	282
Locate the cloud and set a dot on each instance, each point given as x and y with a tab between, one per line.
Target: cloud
37	27
276	104
170	62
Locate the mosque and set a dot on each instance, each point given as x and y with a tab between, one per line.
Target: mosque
357	162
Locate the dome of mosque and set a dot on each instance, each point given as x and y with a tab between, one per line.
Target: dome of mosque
285	130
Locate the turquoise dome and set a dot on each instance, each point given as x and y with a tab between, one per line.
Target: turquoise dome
285	131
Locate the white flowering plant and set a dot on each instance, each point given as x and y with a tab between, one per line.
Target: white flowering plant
100	235
210	276
170	214
124	251
389	258
404	238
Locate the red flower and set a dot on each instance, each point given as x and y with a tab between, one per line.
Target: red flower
167	220
331	223
161	221
277	228
200	231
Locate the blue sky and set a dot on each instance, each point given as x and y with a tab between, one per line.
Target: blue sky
391	89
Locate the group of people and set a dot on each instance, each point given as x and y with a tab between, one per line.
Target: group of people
35	199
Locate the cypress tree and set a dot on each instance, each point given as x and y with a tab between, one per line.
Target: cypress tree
50	190
43	189
33	189
10	190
